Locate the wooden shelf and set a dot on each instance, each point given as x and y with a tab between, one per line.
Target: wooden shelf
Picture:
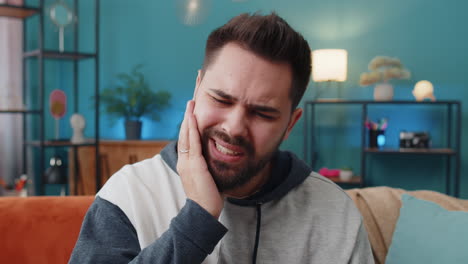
355	180
18	111
60	143
429	151
14	11
50	54
371	102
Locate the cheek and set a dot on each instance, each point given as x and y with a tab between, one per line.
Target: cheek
205	116
266	137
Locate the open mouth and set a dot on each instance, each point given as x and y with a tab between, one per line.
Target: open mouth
225	152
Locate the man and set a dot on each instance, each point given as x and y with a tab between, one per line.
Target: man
224	193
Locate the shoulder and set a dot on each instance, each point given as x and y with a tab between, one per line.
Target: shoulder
320	192
149	193
144	177
143	187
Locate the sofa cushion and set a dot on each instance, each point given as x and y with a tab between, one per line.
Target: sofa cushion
427	233
380	208
40	230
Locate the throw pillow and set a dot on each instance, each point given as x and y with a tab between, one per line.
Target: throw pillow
427	233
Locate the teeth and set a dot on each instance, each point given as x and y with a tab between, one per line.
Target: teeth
225	150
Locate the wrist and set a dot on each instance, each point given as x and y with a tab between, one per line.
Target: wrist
213	210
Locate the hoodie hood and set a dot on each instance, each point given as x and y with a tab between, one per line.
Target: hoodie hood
288	171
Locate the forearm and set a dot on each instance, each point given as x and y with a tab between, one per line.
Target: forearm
192	236
107	236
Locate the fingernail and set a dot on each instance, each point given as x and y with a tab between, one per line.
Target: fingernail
187	108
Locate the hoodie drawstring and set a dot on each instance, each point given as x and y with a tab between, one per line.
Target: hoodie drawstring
257	234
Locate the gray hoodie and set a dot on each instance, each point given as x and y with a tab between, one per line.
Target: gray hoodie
142	215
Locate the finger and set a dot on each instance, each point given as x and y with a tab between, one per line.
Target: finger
183	142
194	136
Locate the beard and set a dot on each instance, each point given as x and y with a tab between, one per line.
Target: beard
230	176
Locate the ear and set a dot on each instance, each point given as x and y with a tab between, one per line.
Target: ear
296	115
197	83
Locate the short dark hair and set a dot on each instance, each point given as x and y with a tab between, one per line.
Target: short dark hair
269	37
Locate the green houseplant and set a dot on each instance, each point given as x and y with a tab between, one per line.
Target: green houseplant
132	99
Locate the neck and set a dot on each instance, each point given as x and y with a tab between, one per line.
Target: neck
252	186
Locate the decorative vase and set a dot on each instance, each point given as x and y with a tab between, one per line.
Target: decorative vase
383	92
132	129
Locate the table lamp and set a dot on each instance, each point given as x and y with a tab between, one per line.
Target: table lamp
329	65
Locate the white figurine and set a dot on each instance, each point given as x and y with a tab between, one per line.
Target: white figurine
78	124
423	90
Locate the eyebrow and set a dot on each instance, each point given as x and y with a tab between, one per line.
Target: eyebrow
261	108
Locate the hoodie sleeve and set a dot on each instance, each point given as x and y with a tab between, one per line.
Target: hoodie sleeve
107	236
362	253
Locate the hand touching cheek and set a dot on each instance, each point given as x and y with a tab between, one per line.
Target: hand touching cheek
198	183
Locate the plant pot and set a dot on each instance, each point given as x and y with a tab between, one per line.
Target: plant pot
132	129
346	175
383	92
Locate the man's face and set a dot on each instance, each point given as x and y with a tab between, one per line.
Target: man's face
243	111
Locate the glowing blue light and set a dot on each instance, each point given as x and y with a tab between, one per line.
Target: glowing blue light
380	140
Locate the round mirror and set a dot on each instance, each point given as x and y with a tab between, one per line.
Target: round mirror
61	15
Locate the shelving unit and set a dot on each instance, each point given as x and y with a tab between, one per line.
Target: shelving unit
40	55
50	54
451	151
436	151
58	144
19	111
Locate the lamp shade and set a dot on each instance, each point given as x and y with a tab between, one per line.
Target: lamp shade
329	65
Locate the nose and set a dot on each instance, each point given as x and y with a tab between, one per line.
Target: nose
235	123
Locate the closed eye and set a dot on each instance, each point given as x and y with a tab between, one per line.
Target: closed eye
221	101
262	115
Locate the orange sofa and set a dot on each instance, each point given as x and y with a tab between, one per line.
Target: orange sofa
44	229
40	230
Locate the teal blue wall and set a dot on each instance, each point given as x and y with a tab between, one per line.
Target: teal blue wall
429	37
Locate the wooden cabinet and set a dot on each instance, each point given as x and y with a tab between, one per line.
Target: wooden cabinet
113	155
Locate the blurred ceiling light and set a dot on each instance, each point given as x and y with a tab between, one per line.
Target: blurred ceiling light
193	12
192	6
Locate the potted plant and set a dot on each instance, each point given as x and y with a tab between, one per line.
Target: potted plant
382	70
132	99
